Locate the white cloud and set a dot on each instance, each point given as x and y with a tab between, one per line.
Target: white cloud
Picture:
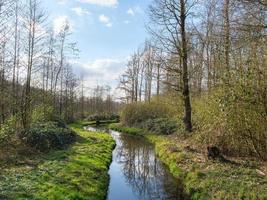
126	22
62	2
108	3
109	24
80	11
104	71
105	20
60	22
134	10
131	12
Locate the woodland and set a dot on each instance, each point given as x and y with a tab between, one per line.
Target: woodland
196	89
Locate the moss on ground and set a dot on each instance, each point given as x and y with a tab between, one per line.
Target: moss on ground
79	172
205	179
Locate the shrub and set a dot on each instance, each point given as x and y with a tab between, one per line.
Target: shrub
103	116
7	130
59	122
234	119
160	126
48	135
136	113
42	113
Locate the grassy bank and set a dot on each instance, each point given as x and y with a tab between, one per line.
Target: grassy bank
79	172
127	130
206	179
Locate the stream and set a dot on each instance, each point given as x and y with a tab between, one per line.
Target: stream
136	173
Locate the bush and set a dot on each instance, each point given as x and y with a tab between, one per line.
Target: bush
103	117
136	113
59	122
7	130
42	113
48	135
234	119
160	126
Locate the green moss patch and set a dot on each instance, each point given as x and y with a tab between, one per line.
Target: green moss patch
128	130
204	179
80	172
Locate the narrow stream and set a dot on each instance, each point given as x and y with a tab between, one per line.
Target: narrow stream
136	173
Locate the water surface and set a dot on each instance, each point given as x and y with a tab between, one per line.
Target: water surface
137	174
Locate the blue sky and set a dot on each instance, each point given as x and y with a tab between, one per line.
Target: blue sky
107	32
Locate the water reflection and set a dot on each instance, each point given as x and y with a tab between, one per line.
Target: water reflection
137	174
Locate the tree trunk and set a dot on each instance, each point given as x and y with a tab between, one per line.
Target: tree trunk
227	34
186	92
158	80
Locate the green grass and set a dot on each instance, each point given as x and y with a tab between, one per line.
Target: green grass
79	172
204	179
127	130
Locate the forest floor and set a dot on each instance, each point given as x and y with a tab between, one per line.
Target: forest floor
79	172
235	178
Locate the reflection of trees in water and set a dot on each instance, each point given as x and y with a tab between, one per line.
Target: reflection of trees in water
143	171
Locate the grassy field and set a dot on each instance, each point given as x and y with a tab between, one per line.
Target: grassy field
206	179
79	172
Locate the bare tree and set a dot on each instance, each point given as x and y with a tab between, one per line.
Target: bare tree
34	19
169	17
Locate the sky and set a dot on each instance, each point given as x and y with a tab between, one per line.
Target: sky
107	32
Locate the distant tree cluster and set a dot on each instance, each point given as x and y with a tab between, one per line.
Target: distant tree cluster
97	100
36	73
35	70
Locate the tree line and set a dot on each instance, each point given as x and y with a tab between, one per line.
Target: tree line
35	62
213	50
36	67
